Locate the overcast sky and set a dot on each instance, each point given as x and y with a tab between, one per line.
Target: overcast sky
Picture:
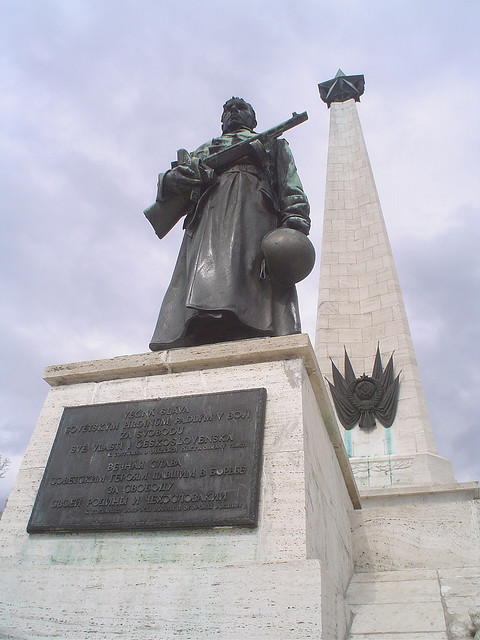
97	96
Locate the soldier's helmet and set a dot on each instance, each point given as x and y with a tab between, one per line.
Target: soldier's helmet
289	255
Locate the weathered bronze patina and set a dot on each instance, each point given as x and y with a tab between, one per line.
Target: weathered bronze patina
233	190
289	255
190	461
342	88
365	398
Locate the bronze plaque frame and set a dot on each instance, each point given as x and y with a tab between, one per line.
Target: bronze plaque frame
189	461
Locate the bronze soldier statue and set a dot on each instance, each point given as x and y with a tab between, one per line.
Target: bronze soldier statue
221	289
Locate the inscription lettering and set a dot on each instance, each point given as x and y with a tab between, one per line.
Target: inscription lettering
203	417
77	480
126	466
113	446
67	504
79	448
160	464
175	473
152	486
172	462
105	502
228	471
92	428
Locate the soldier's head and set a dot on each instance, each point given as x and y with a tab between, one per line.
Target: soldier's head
237	114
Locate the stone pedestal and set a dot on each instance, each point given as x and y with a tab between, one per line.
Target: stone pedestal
285	578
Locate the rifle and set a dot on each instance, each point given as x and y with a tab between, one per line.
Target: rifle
241	149
253	145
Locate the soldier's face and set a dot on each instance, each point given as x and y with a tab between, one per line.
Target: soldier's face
237	115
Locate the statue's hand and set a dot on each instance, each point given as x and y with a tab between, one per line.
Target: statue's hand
298	223
181	180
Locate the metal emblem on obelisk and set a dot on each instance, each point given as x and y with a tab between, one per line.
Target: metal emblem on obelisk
365	398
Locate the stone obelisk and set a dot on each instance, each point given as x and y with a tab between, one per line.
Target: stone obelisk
361	307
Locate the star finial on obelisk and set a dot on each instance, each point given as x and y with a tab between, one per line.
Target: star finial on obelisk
342	88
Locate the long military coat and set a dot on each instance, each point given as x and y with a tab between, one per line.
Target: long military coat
220	269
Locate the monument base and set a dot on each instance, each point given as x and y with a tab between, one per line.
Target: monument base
285	578
417	563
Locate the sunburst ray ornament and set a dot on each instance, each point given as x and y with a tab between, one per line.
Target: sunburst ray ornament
365	398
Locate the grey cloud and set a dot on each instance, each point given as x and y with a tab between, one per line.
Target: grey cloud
440	277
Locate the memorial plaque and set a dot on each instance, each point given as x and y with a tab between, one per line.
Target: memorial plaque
191	461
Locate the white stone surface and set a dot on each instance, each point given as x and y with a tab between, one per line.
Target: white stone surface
414	604
417	563
403	605
433	635
460	589
284	579
160	602
397	470
360	305
420	529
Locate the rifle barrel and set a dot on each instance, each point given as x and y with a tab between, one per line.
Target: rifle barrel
237	151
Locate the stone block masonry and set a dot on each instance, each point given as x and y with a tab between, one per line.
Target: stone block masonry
285	578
